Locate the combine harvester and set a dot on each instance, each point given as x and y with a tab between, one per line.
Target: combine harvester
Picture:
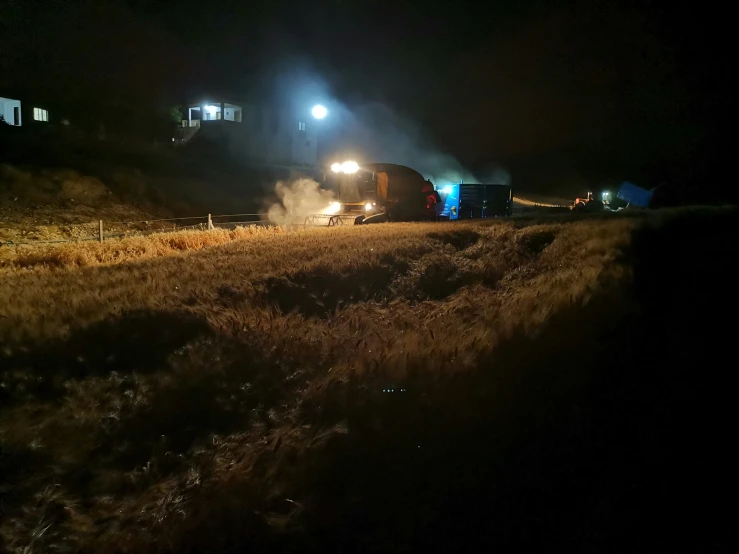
376	193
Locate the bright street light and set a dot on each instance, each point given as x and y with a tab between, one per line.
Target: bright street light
319	111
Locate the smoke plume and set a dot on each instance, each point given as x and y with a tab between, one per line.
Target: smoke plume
372	132
383	135
299	199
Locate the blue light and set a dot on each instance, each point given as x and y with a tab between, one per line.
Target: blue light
450	200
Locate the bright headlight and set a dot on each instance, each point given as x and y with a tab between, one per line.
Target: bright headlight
367	207
336	167
350	167
333	208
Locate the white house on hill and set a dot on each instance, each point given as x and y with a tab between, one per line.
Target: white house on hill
257	134
12	112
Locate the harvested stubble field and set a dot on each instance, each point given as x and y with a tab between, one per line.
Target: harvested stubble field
528	385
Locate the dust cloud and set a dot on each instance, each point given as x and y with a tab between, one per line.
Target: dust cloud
297	200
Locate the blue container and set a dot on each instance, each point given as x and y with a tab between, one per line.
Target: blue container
634	195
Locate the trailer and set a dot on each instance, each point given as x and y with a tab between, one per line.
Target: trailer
635	195
475	200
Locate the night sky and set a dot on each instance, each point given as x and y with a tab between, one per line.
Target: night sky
562	94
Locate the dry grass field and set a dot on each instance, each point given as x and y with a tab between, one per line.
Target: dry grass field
88	253
396	387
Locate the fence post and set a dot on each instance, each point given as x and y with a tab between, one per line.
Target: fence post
210	223
100	228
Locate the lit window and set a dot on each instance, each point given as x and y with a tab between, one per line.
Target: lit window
301	125
39	114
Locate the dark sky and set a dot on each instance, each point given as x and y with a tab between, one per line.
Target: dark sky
553	90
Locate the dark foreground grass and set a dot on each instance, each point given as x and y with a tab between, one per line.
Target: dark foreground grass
542	387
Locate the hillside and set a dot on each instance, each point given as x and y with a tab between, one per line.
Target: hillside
525	384
47	187
54	204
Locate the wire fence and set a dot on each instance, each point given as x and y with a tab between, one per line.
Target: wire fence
207	222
